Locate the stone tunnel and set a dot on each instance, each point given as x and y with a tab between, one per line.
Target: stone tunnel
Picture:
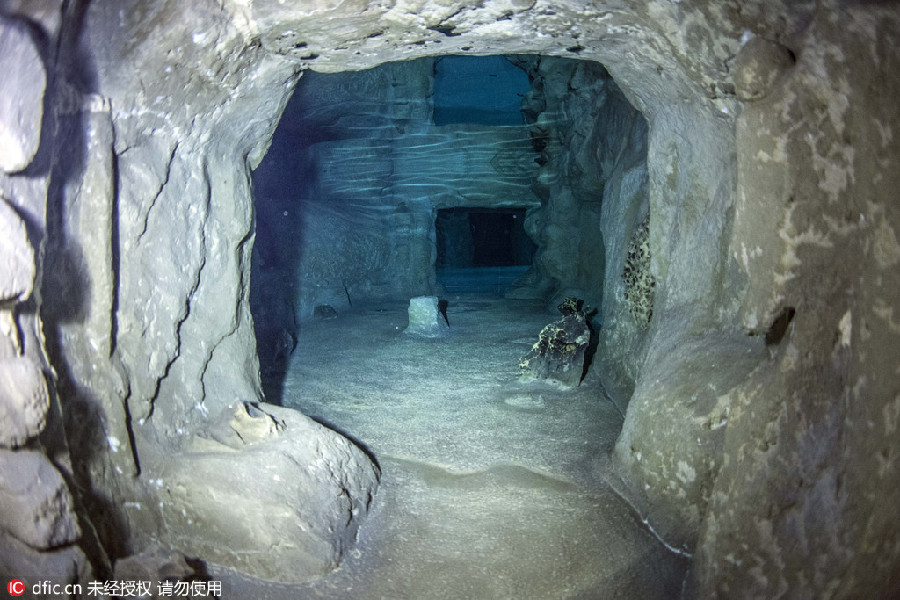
215	214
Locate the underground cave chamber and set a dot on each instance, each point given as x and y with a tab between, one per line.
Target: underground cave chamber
767	461
448	175
501	185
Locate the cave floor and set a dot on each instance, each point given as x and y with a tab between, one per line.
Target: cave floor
491	487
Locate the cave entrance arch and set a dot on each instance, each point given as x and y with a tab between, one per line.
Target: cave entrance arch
236	95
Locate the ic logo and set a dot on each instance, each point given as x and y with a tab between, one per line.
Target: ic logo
15	588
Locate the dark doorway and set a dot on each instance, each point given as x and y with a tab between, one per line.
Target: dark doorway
481	249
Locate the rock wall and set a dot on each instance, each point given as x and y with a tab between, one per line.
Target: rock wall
593	183
758	439
766	443
347	196
806	500
45	531
148	236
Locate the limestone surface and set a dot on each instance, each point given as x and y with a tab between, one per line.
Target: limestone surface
154	564
60	566
425	318
16	255
35	504
24	401
267	492
759	66
769	174
40	533
20	112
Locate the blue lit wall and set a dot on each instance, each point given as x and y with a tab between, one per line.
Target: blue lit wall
486	90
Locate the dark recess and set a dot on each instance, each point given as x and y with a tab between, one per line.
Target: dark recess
780	326
482	237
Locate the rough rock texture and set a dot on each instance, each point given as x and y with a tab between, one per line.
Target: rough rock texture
758	67
44	532
638	279
24	401
310	489
154	564
356	173
784	458
21	112
559	353
149	237
593	182
35	504
593	145
425	318
778	472
17	256
808	492
68	564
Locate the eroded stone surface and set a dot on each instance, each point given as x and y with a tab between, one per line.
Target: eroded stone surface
23	401
791	208
282	508
809	464
21	106
638	279
758	67
35	504
425	318
61	566
40	535
154	564
559	353
16	256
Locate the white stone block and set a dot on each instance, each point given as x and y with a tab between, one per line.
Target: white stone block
425	318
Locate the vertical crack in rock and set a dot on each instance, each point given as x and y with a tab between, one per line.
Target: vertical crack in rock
240	306
129	428
195	284
162	186
115	247
209	355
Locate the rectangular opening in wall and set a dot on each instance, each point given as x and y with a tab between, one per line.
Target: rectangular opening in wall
481	250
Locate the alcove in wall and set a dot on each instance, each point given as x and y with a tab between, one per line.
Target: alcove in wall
481	249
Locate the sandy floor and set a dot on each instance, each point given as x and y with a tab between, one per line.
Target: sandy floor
491	488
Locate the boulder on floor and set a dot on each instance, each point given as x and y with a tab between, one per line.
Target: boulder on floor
265	491
426	319
559	353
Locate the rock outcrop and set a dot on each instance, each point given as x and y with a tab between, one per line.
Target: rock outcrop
425	318
559	353
266	491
